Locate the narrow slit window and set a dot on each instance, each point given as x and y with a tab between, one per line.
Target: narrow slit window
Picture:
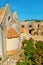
9	18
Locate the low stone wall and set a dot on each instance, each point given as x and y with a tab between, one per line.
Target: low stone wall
35	37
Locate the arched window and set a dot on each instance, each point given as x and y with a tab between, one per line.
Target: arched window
30	26
8	18
22	26
38	25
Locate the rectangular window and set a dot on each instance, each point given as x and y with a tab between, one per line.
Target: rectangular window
22	26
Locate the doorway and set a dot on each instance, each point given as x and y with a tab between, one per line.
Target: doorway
30	31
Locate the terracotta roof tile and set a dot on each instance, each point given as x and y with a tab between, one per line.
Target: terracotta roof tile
2	10
11	33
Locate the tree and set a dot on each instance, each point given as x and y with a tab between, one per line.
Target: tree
19	63
33	55
39	44
24	42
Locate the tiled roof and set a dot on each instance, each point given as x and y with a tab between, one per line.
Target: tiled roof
11	33
2	10
21	30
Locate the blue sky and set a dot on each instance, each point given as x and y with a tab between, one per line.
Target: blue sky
26	9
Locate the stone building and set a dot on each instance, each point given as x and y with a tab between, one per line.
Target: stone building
12	42
11	29
8	22
31	27
26	26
